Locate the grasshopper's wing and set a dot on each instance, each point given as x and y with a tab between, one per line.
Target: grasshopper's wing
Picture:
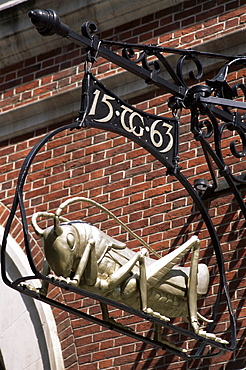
158	269
113	243
106	240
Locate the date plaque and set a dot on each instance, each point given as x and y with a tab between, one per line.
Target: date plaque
105	110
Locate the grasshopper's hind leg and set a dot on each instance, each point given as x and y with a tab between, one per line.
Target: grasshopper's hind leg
155	273
192	288
192	299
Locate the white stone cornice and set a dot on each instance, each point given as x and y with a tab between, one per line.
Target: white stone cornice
9	4
20	40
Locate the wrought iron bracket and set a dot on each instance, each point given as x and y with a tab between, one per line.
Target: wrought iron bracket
160	136
214	99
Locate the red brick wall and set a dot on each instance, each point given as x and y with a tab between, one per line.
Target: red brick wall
131	183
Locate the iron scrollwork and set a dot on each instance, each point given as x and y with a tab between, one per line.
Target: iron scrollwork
234	121
213	99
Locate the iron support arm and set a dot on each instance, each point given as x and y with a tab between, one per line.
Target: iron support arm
223	102
48	23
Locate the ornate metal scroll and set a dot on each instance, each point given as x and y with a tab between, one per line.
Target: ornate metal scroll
160	136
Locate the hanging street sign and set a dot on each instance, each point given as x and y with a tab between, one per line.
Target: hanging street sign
158	135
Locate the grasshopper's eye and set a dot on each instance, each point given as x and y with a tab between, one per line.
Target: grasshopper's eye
71	241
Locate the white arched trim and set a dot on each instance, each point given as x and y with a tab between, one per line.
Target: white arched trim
19	260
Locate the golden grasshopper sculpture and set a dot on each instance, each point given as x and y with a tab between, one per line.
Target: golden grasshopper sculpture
83	256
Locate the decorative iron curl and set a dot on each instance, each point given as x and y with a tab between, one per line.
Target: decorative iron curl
88	29
128	53
232	127
217	130
208	126
152	66
192	75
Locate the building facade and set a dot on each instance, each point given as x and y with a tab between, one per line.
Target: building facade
40	91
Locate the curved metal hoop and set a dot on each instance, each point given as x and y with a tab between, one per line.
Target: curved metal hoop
173	170
18	200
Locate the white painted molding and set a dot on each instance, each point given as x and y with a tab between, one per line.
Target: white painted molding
20	40
9	4
47	322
